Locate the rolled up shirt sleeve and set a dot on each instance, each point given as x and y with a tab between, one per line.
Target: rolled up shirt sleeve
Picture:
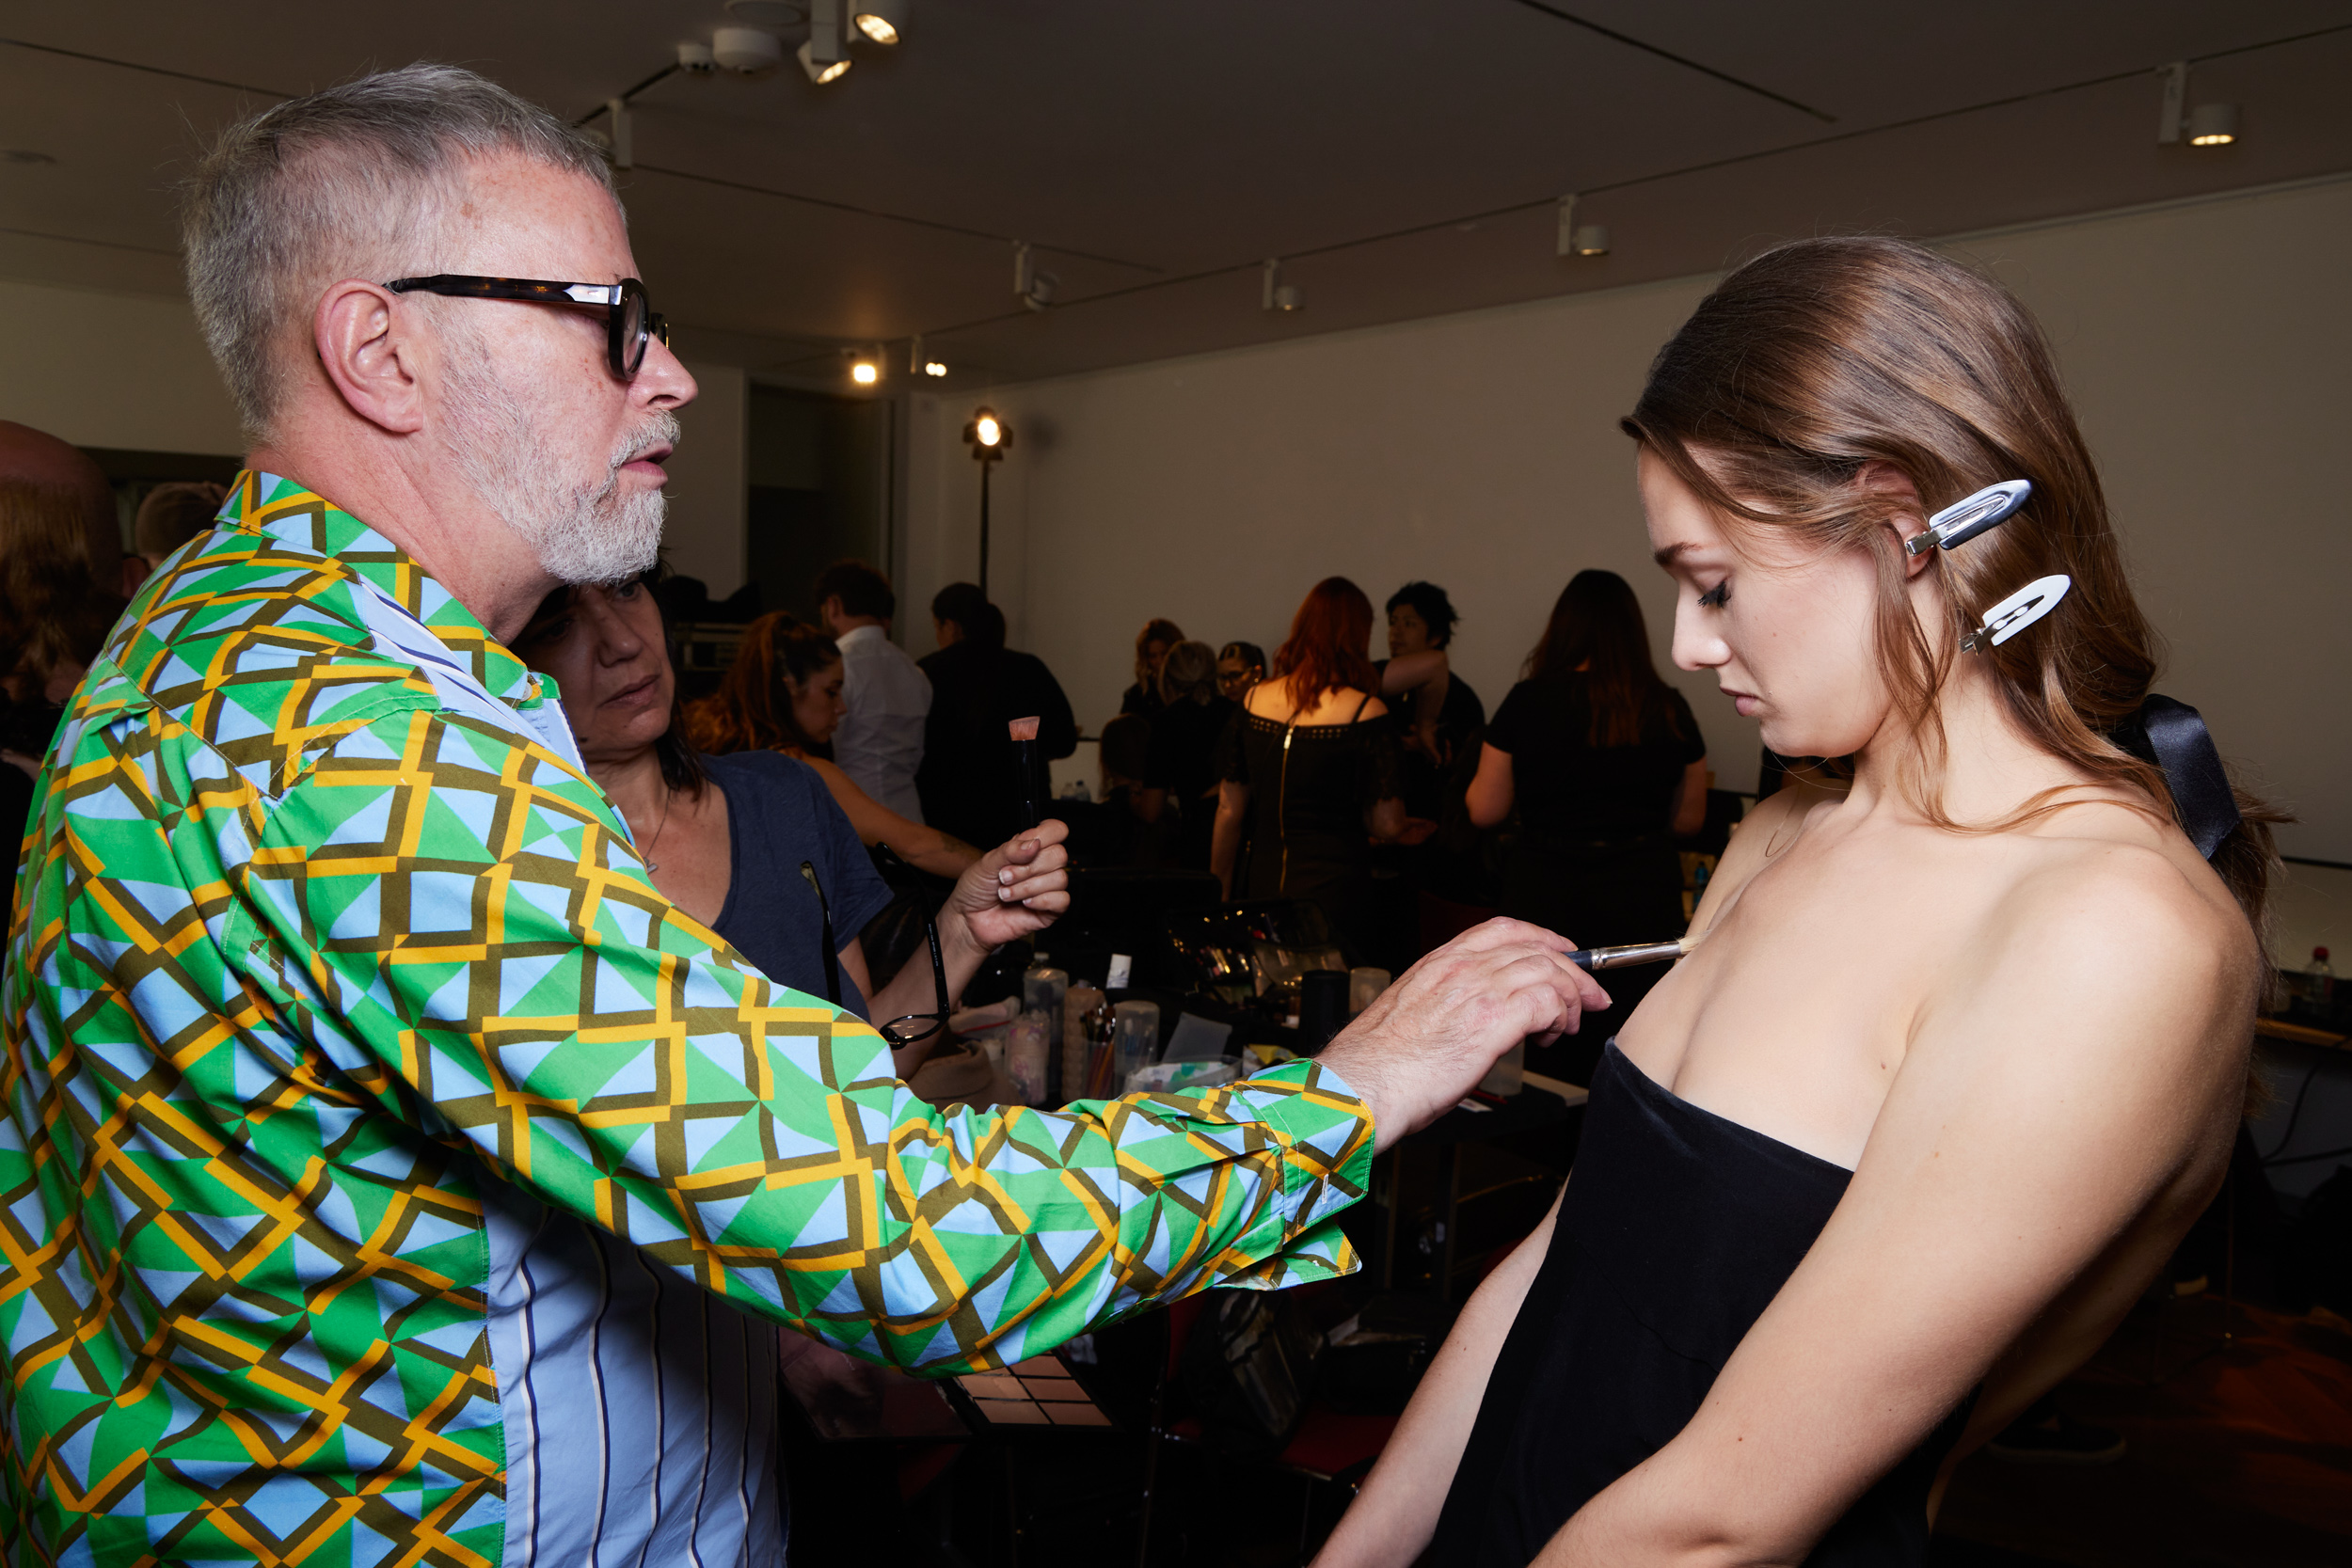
462	927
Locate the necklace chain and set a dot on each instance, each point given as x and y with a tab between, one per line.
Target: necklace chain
667	796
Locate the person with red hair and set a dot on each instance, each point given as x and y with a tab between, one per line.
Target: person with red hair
1309	769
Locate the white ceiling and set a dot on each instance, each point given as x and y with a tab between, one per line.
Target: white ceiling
1403	155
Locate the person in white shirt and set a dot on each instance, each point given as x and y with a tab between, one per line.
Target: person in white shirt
880	743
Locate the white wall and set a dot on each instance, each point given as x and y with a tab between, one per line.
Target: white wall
2205	347
108	370
131	370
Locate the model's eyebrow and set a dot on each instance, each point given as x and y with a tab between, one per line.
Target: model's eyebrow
1665	556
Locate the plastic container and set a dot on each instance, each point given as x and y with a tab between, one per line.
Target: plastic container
1505	1078
1026	1053
1134	1038
1180	1077
1364	987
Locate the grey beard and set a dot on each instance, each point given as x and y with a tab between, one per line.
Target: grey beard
583	533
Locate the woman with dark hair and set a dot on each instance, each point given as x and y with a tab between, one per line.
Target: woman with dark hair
782	693
1307	764
1179	764
724	837
1239	667
1159	634
1962	1048
1438	714
1605	766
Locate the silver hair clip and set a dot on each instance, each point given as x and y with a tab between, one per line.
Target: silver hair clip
2018	611
1966	518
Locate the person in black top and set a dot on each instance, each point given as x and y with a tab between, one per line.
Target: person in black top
730	856
1437	715
967	781
1605	766
1159	634
1239	667
1309	765
1179	765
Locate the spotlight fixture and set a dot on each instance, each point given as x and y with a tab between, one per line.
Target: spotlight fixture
695	59
2212	125
932	367
1035	288
987	437
2205	125
1275	294
864	373
883	21
826	55
746	51
1591	239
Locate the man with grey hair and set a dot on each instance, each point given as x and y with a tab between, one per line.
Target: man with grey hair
390	1172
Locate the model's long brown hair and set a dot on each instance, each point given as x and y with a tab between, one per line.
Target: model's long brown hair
752	710
1597	626
1329	648
1822	356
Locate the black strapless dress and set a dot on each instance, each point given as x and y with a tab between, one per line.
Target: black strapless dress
1678	1229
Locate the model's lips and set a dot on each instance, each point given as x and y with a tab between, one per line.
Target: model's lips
1743	703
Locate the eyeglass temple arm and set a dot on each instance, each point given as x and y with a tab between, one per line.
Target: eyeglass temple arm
833	959
939	967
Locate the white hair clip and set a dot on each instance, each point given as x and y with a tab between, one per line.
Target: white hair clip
2018	611
1969	517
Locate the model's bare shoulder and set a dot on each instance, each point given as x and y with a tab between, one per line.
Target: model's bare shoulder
2121	952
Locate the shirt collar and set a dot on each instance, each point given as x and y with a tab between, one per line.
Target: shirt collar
303	520
858	634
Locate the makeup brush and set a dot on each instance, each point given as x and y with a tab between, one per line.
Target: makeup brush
1634	953
1024	761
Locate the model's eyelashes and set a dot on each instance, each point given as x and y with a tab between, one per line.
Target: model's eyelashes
1717	596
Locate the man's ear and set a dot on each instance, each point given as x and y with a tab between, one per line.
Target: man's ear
1886	480
368	357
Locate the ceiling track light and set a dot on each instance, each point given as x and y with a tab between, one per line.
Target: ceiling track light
1579	239
2204	125
826	55
1035	288
1275	294
882	21
746	51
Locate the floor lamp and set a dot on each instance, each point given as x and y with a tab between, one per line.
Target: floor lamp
987	437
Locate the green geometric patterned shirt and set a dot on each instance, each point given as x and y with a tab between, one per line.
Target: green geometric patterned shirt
322	947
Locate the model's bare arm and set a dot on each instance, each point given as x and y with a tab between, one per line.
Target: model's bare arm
1389	1523
1492	791
2070	1088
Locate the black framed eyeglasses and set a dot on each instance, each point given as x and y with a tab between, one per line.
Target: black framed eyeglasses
630	323
904	1031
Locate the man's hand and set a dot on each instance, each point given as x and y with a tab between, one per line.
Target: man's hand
1428	1039
1017	889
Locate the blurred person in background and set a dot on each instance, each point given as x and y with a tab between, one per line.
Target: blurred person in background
1605	766
968	780
1311	767
172	516
782	693
41	459
880	742
723	837
1438	714
1180	766
1239	667
1159	634
52	615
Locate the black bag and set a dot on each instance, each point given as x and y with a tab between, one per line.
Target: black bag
1248	1367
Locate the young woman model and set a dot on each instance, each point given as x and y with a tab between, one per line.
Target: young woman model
723	837
782	693
1959	1055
